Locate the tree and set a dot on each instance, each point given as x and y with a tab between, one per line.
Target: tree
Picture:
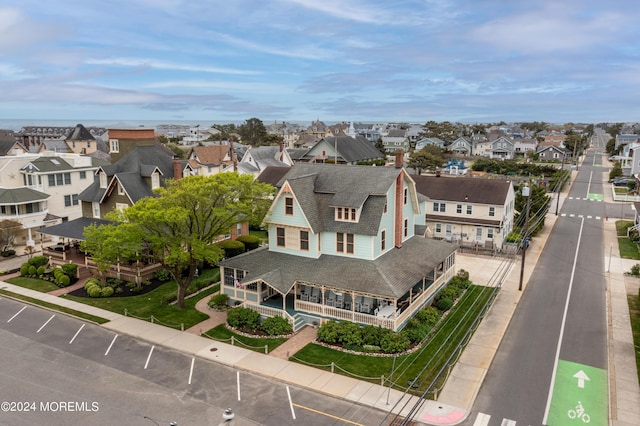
180	225
253	132
429	158
380	146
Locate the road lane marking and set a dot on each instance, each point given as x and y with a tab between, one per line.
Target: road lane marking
76	335
351	422
238	385
482	419
293	413
146	364
17	313
47	322
589	185
112	342
193	360
507	422
564	321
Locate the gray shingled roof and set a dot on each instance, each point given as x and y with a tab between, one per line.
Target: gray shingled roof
391	275
12	196
319	188
354	149
470	190
74	228
46	164
80	133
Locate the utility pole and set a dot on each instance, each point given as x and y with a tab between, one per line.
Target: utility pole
560	182
525	193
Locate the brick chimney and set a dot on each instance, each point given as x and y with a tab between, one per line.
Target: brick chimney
177	168
399	159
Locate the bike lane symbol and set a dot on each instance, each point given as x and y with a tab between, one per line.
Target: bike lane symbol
579	395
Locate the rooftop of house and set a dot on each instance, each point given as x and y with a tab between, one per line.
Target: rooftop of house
463	189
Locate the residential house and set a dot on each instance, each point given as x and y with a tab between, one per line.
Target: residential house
342	246
256	159
501	148
553	153
470	211
522	146
9	145
395	140
343	150
462	146
140	166
209	159
429	141
81	141
626	139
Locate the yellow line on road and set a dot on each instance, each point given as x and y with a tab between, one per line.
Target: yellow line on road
327	414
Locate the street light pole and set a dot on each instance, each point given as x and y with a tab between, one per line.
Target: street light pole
560	183
525	193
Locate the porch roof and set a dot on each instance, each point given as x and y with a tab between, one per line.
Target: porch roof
73	229
391	275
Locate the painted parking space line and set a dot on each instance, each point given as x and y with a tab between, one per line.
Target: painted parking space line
507	422
17	313
193	360
238	385
76	335
146	364
293	412
47	322
110	345
331	416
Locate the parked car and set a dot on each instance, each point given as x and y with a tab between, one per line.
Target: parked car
623	181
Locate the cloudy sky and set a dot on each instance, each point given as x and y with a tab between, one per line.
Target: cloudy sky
334	60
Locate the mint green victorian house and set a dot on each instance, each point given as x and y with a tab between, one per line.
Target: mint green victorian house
345	243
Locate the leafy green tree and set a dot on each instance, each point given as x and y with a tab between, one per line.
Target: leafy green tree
253	132
8	230
539	205
380	146
429	158
179	225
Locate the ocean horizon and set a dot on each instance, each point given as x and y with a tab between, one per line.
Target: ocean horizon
17	124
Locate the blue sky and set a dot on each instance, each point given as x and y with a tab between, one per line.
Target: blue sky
334	60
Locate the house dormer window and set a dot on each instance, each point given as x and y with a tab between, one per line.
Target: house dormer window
114	145
288	206
346	214
120	189
103	180
155	180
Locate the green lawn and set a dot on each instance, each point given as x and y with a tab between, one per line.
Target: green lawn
33	284
154	303
254	343
628	249
430	358
53	307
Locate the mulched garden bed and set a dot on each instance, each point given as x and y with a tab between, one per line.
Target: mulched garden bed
126	291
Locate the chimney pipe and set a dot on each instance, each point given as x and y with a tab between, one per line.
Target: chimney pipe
399	159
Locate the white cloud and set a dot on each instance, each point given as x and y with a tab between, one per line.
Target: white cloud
153	63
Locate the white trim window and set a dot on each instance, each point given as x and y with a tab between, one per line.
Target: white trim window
155	180
114	145
96	209
103	179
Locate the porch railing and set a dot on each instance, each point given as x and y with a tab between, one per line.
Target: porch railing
268	311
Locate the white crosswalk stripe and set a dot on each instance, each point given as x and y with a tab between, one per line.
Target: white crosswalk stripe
482	419
507	422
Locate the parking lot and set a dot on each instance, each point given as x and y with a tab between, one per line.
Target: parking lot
53	358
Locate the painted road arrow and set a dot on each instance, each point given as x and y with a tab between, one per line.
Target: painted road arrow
581	376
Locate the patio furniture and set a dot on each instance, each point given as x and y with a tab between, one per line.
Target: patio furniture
357	306
330	302
304	297
347	305
365	307
339	303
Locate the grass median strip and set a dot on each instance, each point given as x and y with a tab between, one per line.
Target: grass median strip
54	307
254	343
433	354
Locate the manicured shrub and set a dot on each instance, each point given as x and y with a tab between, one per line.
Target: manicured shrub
429	315
328	332
463	275
243	318
95	291
24	269
40	271
444	304
276	326
219	301
635	269
90	282
63	281
106	292
350	334
251	242
38	261
8	253
394	343
372	335
371	348
232	248
32	270
449	292
70	269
